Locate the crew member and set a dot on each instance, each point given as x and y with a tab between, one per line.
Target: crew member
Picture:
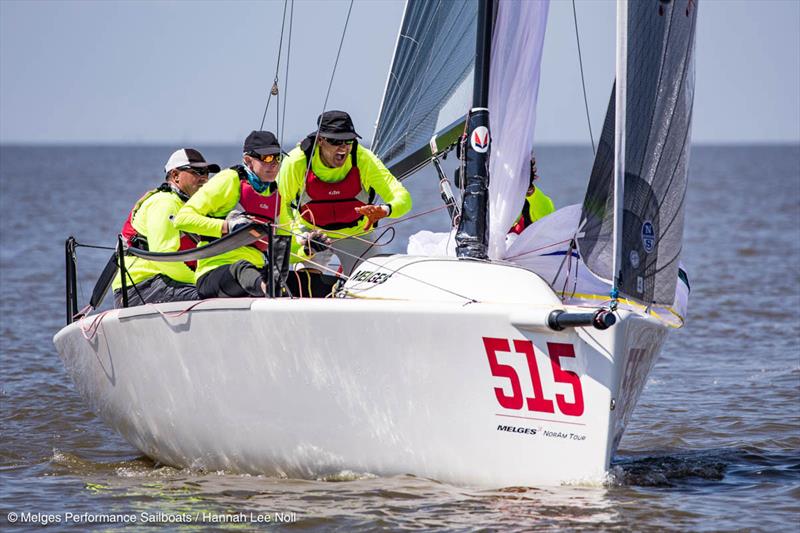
149	226
335	193
235	197
537	204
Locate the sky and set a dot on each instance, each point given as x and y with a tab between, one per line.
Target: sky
199	72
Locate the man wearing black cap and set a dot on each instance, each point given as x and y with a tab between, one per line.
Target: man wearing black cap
329	182
149	226
234	197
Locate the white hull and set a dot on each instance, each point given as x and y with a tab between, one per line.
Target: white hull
380	383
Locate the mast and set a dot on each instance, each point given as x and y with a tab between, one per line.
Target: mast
619	143
472	238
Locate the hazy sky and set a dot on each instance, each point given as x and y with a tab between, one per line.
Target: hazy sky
195	73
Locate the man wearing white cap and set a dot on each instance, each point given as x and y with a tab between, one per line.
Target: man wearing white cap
149	226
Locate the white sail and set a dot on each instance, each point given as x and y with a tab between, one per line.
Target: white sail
517	44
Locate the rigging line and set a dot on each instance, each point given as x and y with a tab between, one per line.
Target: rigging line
357	236
330	85
278	133
288	62
277	66
393	271
583	82
403	274
79	245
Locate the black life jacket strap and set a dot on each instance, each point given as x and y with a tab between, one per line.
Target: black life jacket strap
526	213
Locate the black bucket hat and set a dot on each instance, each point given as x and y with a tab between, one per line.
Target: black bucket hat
261	143
336	125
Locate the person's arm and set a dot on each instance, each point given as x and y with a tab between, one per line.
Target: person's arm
162	236
375	174
290	183
214	199
541	204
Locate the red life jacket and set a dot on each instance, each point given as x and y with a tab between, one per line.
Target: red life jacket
524	219
262	208
135	239
332	206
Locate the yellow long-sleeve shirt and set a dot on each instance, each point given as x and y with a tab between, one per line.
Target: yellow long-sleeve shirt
204	214
153	221
374	174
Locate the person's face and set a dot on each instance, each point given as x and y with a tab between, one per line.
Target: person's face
334	152
189	180
266	167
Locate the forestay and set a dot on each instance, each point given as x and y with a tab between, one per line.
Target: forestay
658	99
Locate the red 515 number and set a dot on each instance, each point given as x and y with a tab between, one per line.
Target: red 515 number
538	402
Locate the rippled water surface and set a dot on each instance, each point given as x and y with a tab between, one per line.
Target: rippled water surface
714	443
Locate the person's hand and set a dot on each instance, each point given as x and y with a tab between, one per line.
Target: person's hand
314	242
235	220
373	213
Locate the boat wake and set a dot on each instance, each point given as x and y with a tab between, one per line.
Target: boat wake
725	465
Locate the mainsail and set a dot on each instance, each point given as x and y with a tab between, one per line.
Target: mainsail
656	113
429	88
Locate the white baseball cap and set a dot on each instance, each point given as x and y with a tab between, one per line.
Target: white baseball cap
189	157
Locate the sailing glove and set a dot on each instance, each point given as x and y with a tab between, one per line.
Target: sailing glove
314	242
373	213
236	219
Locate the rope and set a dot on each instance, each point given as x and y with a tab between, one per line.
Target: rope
79	245
469	299
537	249
583	82
90	331
274	87
375	243
330	85
288	62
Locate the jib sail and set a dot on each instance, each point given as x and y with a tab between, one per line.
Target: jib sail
648	126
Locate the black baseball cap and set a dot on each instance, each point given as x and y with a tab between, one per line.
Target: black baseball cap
336	125
262	143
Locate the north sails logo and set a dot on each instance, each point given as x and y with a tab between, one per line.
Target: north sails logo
480	139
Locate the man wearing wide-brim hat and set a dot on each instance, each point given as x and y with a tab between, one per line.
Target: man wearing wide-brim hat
329	183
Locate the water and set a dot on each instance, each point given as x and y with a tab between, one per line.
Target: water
714	443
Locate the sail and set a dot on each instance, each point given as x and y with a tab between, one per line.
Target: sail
429	89
656	111
517	43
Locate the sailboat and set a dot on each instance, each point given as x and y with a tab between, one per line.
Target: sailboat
492	366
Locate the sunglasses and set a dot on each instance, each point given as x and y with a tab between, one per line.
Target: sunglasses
266	158
339	142
196	171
